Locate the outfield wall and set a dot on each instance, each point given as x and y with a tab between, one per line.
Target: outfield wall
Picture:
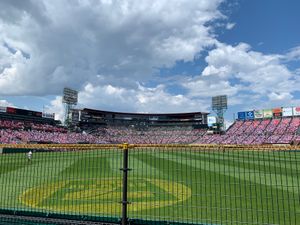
213	147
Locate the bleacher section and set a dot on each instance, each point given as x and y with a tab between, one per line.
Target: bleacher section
24	132
265	131
281	130
30	132
156	135
262	131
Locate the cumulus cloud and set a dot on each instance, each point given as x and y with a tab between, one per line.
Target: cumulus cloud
5	103
49	45
245	74
208	87
142	99
293	54
56	106
111	50
284	96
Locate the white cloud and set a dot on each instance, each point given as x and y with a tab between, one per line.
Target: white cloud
293	54
208	87
5	103
284	96
109	50
56	106
230	26
142	99
248	77
61	44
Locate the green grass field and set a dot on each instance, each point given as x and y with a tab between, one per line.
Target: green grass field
235	187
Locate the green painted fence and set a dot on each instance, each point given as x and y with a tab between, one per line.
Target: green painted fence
166	185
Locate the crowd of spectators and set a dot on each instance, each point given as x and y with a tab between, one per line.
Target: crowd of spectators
11	124
155	135
278	130
29	132
263	131
12	131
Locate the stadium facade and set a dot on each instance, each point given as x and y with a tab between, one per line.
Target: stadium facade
266	126
12	113
92	117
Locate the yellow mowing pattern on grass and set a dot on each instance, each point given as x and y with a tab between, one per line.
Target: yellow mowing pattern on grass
84	196
34	196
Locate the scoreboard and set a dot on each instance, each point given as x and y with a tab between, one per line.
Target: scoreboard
23	112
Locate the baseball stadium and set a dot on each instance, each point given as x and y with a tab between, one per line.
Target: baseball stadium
104	167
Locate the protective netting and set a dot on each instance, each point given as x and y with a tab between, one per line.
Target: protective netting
166	184
6	219
77	183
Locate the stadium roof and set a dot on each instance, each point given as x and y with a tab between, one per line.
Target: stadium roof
146	114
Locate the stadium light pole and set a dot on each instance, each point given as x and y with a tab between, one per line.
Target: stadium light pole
219	106
70	99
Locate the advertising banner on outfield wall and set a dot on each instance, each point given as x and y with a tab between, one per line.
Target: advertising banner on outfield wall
268	113
2	109
287	111
277	112
211	120
258	114
250	115
296	111
241	115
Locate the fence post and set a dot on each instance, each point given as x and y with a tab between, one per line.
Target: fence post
125	184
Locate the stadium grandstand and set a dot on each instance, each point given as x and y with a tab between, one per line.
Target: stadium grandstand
95	126
178	168
141	128
26	126
270	126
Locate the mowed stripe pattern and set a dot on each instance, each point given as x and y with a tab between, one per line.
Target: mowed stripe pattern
185	185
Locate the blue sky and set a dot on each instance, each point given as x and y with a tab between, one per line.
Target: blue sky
268	25
152	56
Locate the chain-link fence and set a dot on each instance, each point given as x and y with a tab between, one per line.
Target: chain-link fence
165	185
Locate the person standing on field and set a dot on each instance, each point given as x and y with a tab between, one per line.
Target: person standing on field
29	156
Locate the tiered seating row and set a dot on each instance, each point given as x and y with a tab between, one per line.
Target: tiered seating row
266	131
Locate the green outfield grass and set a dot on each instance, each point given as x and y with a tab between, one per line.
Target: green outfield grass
231	187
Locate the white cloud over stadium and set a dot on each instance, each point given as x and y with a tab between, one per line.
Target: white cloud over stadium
111	51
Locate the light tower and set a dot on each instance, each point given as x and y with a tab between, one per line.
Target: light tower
70	99
219	106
